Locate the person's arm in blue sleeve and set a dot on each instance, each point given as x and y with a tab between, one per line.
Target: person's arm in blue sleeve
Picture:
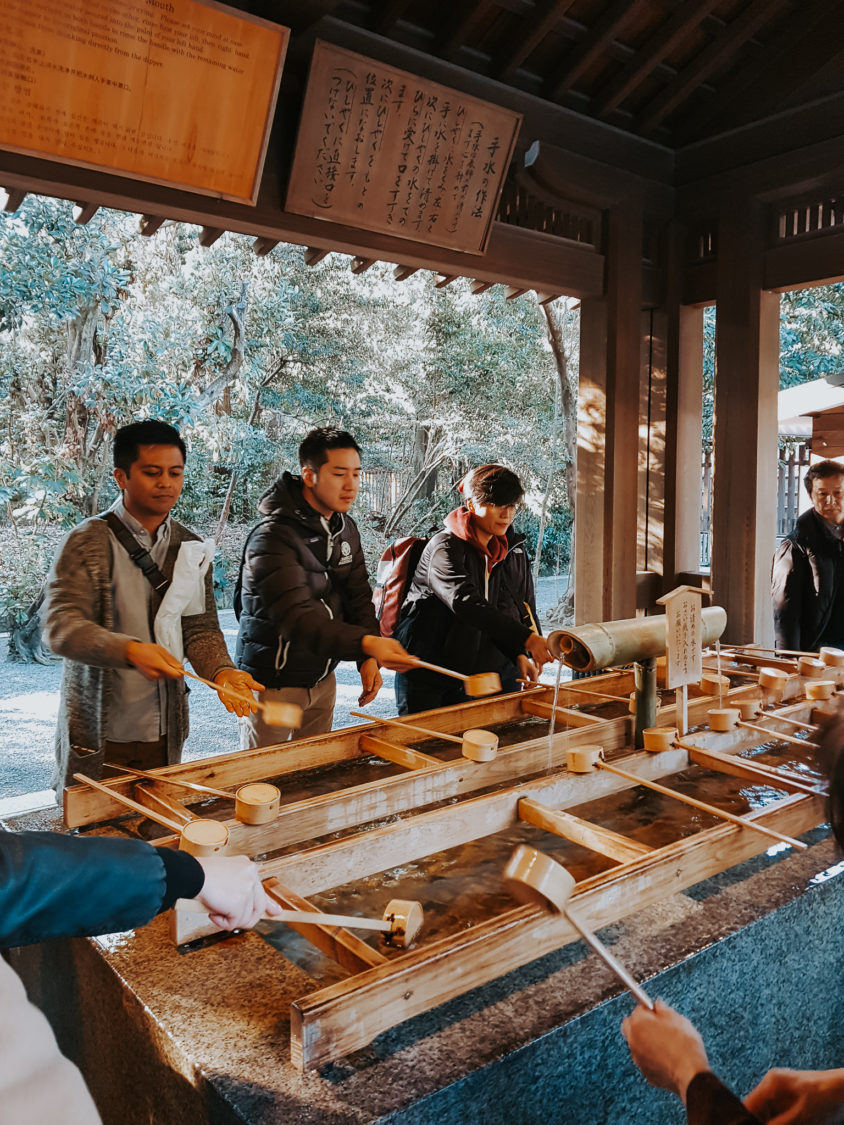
52	885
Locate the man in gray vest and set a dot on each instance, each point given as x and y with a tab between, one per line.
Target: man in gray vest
123	698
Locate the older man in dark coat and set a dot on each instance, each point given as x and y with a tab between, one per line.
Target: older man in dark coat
808	575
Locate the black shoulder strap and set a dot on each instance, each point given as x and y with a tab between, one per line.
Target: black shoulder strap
138	554
237	599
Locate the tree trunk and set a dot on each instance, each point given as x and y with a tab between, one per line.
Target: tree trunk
434	457
568	399
563	612
26	645
236	313
227	503
546	498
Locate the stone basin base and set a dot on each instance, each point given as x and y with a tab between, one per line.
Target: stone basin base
753	956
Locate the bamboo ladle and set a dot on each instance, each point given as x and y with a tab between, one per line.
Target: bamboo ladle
401	921
275	714
477	745
776	735
534	878
199	836
595	694
256	802
702	805
479	683
193	785
791	722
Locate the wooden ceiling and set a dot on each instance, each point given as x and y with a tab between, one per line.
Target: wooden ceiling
673	71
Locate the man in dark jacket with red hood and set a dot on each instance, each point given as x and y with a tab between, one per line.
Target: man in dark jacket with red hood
303	599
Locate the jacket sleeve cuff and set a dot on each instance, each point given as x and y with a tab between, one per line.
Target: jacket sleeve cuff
183	875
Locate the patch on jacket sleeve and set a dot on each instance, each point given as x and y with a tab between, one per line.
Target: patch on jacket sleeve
345	553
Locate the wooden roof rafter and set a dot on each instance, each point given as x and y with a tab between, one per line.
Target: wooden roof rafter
714	57
658	47
551	14
792	56
601	34
456	35
11	199
151	224
314	255
386	15
83	212
209	235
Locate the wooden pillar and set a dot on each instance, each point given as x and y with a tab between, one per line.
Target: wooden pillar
591	463
650	554
684	410
684	447
608	431
745	440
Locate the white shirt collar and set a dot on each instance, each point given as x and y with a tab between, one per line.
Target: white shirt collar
137	529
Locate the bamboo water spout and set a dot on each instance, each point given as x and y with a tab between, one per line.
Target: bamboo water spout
588	648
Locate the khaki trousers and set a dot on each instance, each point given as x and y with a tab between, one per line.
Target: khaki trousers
317	705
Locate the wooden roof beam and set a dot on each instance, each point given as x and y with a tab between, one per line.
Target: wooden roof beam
444	279
313	255
209	235
797	53
402	273
462	28
599	37
728	43
361	265
478	287
546	298
538	27
12	198
513	291
151	224
389	14
84	212
674	31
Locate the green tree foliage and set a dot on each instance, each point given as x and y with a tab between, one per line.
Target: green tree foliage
811	342
811	334
101	326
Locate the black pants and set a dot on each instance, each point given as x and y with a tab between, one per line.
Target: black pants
423	690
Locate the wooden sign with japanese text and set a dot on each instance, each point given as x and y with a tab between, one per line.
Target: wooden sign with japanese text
683	636
180	92
382	150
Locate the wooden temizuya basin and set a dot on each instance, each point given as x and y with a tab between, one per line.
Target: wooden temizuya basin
421	798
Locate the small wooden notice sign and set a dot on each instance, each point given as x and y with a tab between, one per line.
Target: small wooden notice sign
382	150
683	635
175	91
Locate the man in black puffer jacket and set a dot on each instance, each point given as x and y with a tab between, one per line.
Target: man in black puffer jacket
808	575
303	597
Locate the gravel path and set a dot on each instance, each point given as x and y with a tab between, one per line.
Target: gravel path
29	698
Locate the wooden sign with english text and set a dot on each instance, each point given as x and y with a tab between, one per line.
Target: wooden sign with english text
179	92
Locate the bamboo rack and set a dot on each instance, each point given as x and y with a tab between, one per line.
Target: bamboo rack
428	803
